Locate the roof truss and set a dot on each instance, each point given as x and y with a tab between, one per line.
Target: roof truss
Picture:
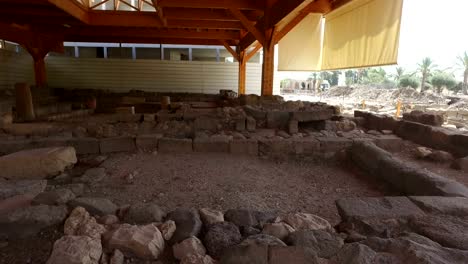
232	22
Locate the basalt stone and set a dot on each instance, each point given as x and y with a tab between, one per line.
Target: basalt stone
221	236
188	224
28	221
325	244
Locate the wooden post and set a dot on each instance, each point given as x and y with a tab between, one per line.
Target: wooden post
38	48
268	67
40	71
242	71
24	103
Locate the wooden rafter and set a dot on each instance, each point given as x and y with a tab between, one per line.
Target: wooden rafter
318	6
248	25
239	22
253	52
205	14
218	4
96	31
72	8
279	10
232	51
160	12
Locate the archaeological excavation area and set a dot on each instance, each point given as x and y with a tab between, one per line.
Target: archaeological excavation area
153	132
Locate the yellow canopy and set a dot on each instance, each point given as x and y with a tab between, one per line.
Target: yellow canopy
362	33
301	48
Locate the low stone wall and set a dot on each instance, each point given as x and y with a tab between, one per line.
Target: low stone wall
317	146
429	136
404	177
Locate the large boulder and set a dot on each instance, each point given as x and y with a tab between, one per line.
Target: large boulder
76	250
189	246
429	118
221	236
405	177
198	259
294	255
188	223
144	242
279	230
377	207
303	221
37	163
325	244
28	221
95	205
246	217
460	164
255	254
413	248
455	206
30	188
262	239
210	216
167	229
144	213
55	197
446	230
80	223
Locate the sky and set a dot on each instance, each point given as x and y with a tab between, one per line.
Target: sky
433	28
430	28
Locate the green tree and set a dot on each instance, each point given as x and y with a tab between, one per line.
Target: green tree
331	77
463	62
425	68
442	79
408	81
399	72
376	76
351	77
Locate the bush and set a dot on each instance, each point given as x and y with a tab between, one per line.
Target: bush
442	79
408	81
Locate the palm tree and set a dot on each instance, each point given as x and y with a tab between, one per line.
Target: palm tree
400	71
463	61
425	68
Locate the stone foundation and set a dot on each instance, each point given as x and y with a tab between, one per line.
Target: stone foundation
426	135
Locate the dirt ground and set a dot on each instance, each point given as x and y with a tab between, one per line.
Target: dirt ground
220	181
223	181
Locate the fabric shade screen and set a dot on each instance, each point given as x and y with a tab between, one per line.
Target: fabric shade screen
301	48
362	33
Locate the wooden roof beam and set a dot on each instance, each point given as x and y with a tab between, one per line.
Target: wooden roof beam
248	25
73	8
159	12
278	11
338	3
253	52
231	50
151	32
146	40
206	14
207	24
216	4
148	19
318	6
124	19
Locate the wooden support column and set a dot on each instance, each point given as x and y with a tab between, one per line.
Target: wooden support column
268	67
24	103
242	71
38	50
40	72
